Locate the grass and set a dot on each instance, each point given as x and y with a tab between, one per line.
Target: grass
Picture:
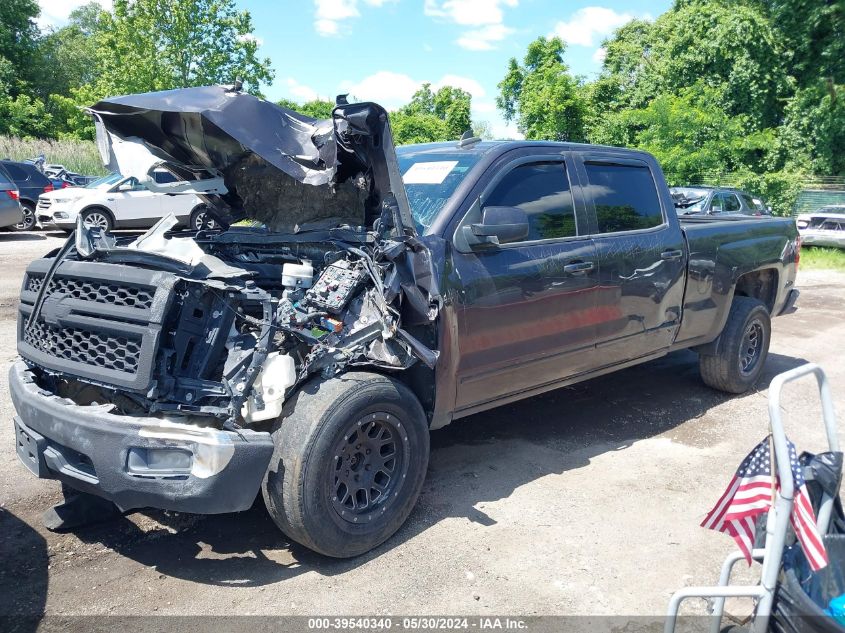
81	157
821	258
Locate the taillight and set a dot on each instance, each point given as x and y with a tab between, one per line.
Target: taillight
65	184
14	194
49	187
797	251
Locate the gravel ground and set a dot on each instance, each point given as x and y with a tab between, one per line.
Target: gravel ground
584	501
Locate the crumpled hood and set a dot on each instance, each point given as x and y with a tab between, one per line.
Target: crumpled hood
278	166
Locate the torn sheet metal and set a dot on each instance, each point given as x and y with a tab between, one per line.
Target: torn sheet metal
279	167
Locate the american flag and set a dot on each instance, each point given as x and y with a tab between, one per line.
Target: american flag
750	494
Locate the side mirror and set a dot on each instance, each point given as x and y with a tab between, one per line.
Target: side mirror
499	225
125	186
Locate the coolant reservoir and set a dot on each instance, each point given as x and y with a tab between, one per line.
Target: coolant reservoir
297	275
276	375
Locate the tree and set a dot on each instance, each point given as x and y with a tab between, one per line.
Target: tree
691	135
148	45
732	46
18	38
541	95
813	134
68	56
813	33
450	105
417	128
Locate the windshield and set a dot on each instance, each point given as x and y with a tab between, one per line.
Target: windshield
689	201
105	180
431	178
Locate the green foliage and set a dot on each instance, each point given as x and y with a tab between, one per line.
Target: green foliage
18	36
690	134
433	116
24	116
148	45
813	33
68	56
814	128
541	96
316	109
820	258
417	128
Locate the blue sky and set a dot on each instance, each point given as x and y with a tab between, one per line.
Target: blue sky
383	50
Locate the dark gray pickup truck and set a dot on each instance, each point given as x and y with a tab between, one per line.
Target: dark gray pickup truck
309	352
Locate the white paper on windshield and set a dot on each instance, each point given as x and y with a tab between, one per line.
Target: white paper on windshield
432	173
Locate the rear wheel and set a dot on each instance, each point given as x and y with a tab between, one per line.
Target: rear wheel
743	348
97	218
28	221
350	460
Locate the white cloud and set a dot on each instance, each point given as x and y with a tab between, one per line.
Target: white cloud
487	16
468	12
393	90
507	131
599	54
389	89
464	83
586	24
483	39
56	12
301	92
329	15
483	107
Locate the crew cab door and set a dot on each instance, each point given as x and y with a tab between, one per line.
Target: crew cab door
131	201
641	255
526	315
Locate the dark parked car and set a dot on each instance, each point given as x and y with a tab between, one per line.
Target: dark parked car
716	201
308	357
31	183
10	208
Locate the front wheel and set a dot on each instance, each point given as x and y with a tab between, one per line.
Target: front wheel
349	463
743	348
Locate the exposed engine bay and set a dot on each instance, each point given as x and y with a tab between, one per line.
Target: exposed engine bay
220	326
248	322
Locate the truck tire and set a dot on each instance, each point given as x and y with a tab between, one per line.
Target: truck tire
743	348
350	458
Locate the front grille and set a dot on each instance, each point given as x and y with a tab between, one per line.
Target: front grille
117	353
98	292
98	321
44	203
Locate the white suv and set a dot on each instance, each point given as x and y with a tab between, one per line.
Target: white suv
117	202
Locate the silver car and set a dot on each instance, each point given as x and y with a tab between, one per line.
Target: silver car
10	206
825	227
716	201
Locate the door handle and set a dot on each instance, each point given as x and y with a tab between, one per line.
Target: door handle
671	255
579	267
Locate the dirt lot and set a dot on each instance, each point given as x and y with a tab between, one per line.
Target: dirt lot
584	501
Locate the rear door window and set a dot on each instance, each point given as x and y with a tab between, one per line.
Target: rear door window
16	172
625	197
732	204
542	191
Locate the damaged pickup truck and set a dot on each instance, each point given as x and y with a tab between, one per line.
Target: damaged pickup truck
370	296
